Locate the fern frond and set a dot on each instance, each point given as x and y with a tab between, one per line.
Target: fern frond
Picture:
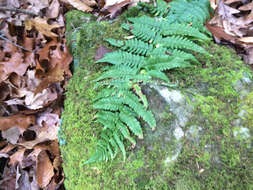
118	72
109	103
143	98
166	63
122	58
133	102
183	30
159	75
146	33
125	132
183	54
132	46
132	123
194	12
161	8
157	23
178	42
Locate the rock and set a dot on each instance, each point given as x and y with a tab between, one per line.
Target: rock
204	126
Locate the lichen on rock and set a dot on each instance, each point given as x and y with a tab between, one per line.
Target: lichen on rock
204	125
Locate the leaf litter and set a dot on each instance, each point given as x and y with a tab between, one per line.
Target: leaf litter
233	23
34	67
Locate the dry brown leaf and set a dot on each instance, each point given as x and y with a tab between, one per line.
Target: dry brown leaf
54	75
4	90
53	9
62	57
37	101
231	1
114	9
17	157
15	64
45	170
246	40
12	135
100	52
246	7
78	4
37	5
21	121
8	181
45	133
42	26
7	149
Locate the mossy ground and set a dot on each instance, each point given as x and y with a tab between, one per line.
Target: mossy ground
193	169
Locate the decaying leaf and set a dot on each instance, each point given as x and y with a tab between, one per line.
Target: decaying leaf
12	135
233	22
82	6
42	26
15	64
21	121
45	170
17	157
34	66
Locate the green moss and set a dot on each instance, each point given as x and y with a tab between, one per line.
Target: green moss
144	167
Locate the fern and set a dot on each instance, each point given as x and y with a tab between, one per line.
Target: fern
132	46
179	42
160	9
160	43
122	58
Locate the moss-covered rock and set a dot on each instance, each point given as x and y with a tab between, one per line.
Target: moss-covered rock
203	138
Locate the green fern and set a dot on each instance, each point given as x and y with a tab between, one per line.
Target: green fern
160	9
132	46
159	43
122	58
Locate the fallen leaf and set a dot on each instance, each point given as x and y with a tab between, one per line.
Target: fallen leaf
219	33
48	119
21	121
45	133
101	51
7	149
15	64
37	5
53	9
12	135
23	180
54	75
37	101
80	5
246	39
42	26
231	1
17	157
8	181
115	8
45	170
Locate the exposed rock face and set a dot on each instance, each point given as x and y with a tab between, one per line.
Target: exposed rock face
203	138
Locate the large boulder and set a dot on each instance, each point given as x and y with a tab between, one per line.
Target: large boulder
203	138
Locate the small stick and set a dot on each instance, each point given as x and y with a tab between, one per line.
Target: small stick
6	39
18	11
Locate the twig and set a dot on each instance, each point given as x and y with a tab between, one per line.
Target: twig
9	41
18	11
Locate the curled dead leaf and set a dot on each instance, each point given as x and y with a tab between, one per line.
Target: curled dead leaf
45	169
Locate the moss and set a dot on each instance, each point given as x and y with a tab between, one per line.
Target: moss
144	169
